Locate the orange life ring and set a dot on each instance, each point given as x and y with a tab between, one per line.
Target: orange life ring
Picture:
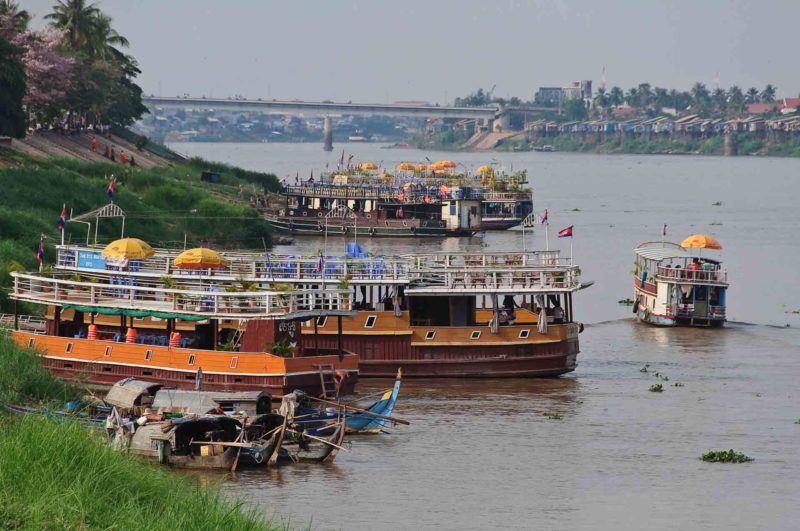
175	340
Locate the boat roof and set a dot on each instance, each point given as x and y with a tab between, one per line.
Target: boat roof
129	392
661	251
201	402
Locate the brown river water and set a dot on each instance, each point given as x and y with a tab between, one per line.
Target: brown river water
484	454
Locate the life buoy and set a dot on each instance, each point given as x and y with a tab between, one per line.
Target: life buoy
424	223
175	340
369	216
305	213
405	224
372	231
319	214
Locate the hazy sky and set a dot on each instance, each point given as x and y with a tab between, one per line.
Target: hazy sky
373	51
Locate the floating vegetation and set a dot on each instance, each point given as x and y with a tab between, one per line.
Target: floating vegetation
644	369
553	415
677	384
725	456
665	378
718	203
797	421
793	311
656	388
716	224
576	209
626	302
657	374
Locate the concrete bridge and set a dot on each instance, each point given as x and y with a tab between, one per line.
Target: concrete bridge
494	118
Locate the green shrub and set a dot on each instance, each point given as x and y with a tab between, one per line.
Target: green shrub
725	456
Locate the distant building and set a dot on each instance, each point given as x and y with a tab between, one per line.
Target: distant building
784	106
549	96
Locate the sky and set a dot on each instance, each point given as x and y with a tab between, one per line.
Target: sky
384	51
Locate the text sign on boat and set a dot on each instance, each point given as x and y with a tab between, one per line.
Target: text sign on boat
91	260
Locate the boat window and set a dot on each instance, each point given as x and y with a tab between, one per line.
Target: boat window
148	354
107	352
68	348
31	342
234	362
370	322
191	359
147	373
476	334
321	320
430	334
523	334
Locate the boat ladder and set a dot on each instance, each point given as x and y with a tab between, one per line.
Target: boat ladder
326	382
238	333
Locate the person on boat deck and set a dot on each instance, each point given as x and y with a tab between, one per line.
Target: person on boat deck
558	314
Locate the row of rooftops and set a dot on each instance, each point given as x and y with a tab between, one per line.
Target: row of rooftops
663	124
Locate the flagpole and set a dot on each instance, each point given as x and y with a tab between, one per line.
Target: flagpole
547	236
64	228
571	238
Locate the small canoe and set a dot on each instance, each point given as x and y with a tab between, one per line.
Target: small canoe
310	446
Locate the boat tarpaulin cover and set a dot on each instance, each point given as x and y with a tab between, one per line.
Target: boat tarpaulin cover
134	313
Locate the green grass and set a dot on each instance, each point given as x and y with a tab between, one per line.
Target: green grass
24	379
62	476
162	206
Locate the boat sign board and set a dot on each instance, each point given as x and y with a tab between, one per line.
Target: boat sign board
91	260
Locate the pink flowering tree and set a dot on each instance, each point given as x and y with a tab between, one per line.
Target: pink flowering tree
48	73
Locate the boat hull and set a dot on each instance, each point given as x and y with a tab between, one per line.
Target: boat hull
87	362
411	229
513	352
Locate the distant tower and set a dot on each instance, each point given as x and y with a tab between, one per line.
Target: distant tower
716	80
603	78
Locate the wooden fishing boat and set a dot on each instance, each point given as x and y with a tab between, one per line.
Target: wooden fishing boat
309	445
193	441
673	288
369	419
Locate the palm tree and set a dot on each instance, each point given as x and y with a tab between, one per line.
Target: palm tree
720	99
601	99
78	19
615	96
19	18
632	96
735	100
104	39
644	95
768	94
752	95
662	99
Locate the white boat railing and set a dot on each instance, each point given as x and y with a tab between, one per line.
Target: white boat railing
31	323
690	276
487	261
210	303
530	280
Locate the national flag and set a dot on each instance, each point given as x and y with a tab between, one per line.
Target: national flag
350	158
319	264
664	232
40	250
111	186
545	218
62	219
566	233
341	159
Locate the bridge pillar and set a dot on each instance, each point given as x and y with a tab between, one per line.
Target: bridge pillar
502	121
327	134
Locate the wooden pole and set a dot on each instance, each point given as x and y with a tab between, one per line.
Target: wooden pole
215	333
316	337
56	320
16	314
339	335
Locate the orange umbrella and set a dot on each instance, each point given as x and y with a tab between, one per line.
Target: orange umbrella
200	258
700	241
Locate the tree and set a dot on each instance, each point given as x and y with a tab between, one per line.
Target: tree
78	19
12	90
576	110
736	100
701	99
632	97
104	39
644	95
601	99
48	74
615	96
661	98
13	17
768	94
752	95
720	99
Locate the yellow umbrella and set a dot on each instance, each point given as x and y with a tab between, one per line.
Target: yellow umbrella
127	248
367	166
405	166
484	169
700	241
200	258
446	164
419	167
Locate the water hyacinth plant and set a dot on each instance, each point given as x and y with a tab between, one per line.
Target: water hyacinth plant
725	456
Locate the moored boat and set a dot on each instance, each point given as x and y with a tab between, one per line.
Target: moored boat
674	288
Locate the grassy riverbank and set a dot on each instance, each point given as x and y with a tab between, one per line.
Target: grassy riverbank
163	205
62	476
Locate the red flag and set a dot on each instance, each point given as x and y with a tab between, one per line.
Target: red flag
566	233
62	219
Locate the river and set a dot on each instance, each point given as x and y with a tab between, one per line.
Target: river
620	457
